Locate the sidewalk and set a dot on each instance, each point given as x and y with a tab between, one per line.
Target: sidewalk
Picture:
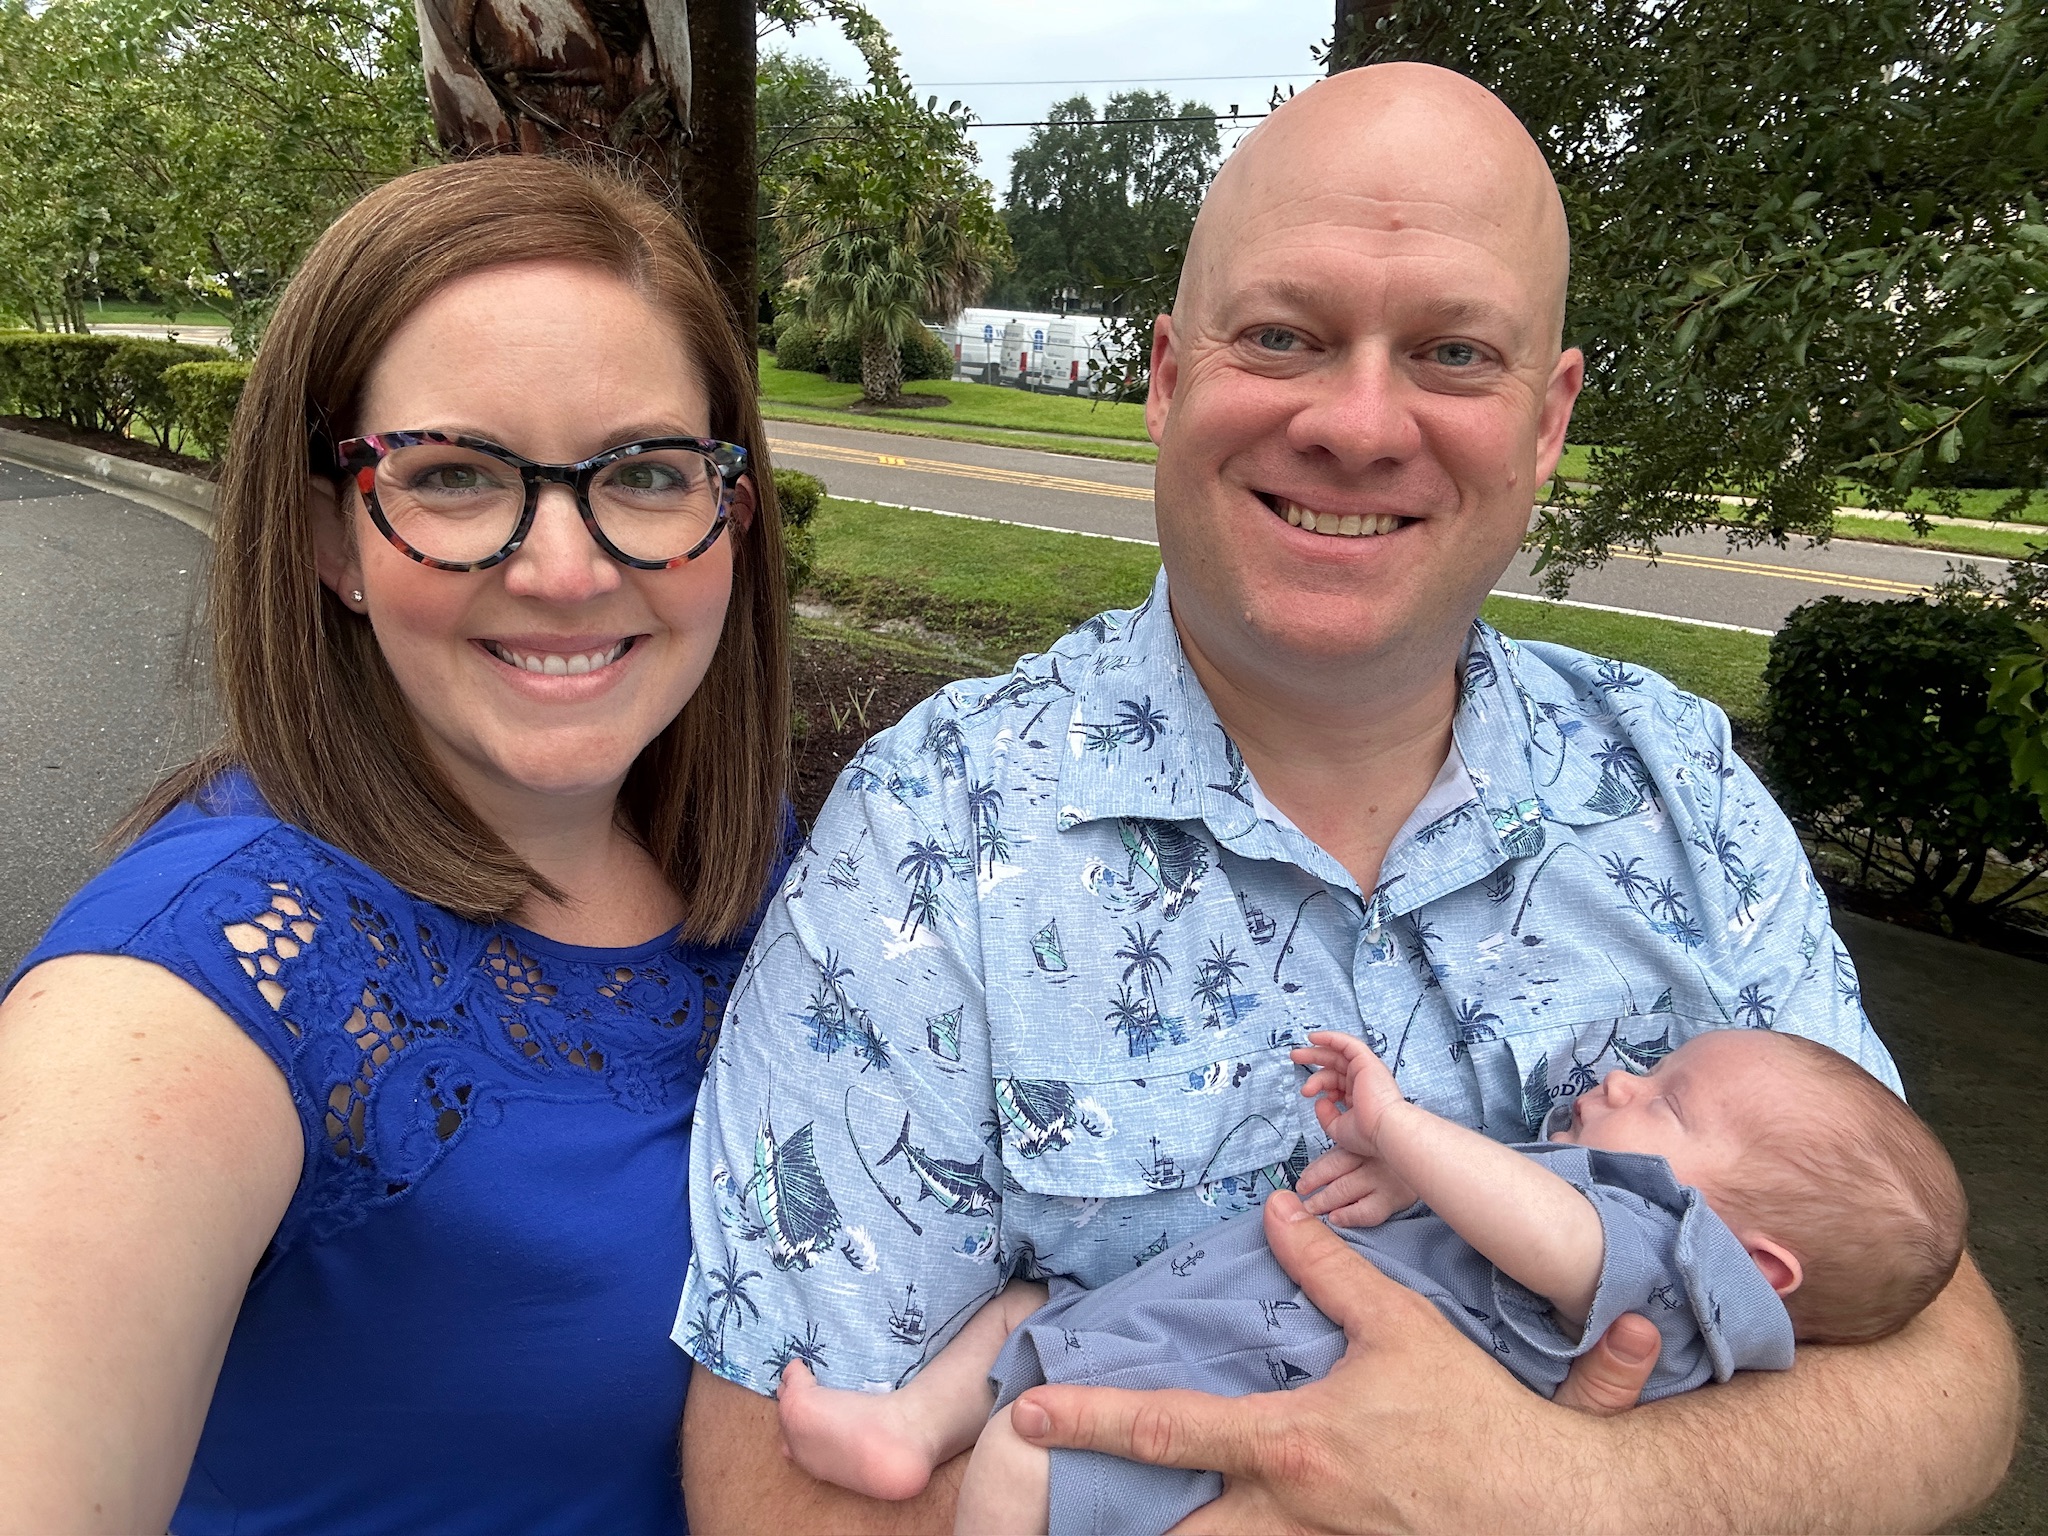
197	335
1969	1029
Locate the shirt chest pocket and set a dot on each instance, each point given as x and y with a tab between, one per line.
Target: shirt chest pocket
1225	1123
1506	1076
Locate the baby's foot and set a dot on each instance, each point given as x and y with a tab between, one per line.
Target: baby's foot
859	1440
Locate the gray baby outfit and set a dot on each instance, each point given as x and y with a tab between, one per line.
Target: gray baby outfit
1220	1315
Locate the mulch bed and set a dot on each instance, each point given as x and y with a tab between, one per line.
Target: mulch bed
915	402
139	449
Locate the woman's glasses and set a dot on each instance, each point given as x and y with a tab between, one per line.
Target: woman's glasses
464	504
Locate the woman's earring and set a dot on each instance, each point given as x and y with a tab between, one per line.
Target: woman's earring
356	596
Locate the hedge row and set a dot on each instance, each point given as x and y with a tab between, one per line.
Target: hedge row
800	348
1882	741
110	383
115	383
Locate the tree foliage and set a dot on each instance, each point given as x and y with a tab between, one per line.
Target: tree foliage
800	105
1809	245
1091	202
190	151
884	223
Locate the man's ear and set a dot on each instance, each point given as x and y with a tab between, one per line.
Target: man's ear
1780	1265
1165	377
1567	377
335	554
745	503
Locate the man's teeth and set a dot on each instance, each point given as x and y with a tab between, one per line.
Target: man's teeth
1350	526
555	663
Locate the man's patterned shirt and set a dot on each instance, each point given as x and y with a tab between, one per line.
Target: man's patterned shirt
1024	1003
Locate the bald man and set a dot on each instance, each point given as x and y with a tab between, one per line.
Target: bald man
1025	1005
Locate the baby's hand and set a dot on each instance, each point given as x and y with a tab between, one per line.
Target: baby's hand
1351	1190
1348	1074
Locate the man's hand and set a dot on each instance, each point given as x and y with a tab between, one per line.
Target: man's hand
1373	1446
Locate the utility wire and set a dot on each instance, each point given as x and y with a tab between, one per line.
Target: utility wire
1114	122
1135	79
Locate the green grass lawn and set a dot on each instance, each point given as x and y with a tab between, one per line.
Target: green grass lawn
1954	538
144	314
905	424
1001	589
1724	665
973	405
1988	504
1974	503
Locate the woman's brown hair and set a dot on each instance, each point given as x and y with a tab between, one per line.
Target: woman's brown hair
315	716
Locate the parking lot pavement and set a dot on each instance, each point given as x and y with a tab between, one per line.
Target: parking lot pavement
97	596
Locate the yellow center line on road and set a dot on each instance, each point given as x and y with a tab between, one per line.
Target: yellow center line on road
795	448
1783	572
792	448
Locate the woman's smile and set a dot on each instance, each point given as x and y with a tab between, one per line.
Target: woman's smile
565	657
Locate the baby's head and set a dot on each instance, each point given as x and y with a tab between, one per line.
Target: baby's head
1844	1198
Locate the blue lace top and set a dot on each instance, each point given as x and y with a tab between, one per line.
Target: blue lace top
462	1322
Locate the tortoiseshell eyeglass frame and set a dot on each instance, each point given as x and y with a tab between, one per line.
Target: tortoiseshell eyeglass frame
359	457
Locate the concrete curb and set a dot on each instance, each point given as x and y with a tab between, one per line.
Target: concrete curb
186	498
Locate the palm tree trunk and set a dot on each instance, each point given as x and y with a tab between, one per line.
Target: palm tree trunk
881	370
663	89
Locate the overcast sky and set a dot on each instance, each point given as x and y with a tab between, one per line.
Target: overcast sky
997	56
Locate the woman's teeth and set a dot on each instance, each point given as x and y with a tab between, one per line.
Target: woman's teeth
1350	526
555	663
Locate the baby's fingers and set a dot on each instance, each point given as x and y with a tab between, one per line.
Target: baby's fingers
1324	1082
1345	1190
1315	1056
1333	1164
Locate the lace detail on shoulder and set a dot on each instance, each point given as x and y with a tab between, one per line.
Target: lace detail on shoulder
407	1029
269	937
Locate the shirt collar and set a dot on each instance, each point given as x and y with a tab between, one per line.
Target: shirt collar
1531	743
1142	740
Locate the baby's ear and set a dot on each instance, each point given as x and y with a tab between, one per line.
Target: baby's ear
1780	1265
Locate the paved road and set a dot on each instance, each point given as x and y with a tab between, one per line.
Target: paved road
95	599
1697	577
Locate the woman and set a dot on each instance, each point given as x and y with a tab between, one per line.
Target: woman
344	1119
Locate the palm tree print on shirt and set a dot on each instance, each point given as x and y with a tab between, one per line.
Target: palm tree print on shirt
1138	1019
837	1022
1216	977
985	809
1137	724
925	867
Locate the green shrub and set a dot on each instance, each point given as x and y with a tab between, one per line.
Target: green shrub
922	354
796	346
92	383
203	398
926	357
59	377
1880	741
2019	695
798	497
136	374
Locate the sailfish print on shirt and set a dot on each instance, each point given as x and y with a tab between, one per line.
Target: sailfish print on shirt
788	1190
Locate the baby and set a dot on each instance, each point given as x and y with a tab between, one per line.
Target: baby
1754	1188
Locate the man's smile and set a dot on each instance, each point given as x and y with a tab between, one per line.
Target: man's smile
1345	525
